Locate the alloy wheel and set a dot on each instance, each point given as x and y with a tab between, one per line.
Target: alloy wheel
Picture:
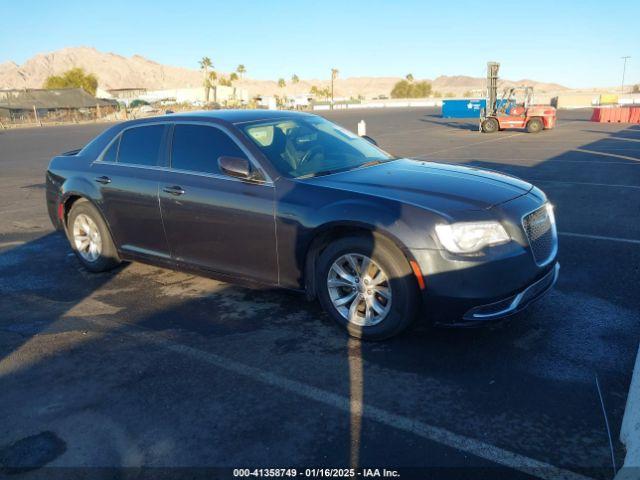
86	237
359	289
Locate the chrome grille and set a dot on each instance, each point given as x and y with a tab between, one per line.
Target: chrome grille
540	228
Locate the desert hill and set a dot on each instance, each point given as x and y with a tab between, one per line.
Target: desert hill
117	71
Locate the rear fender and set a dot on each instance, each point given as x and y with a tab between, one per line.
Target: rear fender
79	187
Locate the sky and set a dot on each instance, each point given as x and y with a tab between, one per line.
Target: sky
574	43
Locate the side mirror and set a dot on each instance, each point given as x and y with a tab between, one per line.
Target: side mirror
235	166
369	139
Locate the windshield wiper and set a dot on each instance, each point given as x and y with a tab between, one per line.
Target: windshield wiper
370	163
321	173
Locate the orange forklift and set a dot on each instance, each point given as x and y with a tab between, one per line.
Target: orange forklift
506	113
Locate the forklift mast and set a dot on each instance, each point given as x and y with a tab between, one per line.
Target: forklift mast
492	88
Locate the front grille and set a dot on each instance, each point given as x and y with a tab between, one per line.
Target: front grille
540	228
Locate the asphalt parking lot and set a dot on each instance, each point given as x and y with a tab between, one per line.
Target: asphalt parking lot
145	367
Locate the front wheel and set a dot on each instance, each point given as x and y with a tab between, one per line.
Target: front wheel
366	285
535	125
490	125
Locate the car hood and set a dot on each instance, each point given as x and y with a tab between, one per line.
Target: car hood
439	187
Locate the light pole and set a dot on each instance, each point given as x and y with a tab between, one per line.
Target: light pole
624	69
334	74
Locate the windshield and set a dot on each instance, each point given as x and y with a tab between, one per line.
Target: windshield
312	146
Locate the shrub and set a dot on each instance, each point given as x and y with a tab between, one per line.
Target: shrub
406	89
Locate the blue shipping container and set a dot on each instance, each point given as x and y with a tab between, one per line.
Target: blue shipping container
464	108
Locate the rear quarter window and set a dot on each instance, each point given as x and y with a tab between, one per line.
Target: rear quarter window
111	155
141	145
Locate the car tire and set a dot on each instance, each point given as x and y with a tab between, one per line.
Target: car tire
490	125
535	125
384	256
90	238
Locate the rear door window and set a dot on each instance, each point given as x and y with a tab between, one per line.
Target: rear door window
196	148
141	145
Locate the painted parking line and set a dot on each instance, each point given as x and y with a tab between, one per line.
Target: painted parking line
432	433
11	244
471	144
587	184
521	159
600	237
624	139
605	154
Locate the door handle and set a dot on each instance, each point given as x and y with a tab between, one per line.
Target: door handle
103	180
174	190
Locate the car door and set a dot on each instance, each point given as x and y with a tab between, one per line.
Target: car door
128	174
212	220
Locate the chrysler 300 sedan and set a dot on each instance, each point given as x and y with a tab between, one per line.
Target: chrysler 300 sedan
292	200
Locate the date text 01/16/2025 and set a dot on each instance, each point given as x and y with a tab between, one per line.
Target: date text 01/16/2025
316	473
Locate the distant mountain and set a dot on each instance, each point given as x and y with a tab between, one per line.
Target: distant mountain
459	82
112	70
116	71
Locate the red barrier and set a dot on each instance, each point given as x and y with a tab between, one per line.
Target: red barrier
616	115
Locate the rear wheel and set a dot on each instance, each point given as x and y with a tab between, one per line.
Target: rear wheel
367	286
535	125
90	238
490	125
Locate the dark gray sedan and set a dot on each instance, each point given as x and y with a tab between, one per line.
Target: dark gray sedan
292	200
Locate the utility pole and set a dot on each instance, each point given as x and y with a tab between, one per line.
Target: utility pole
334	74
624	69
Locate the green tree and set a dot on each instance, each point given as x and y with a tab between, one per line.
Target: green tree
409	77
281	83
400	90
636	89
294	78
233	76
467	94
406	89
74	78
314	90
241	70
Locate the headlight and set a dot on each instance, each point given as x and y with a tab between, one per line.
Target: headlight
470	237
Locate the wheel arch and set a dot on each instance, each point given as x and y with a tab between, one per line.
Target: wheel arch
70	198
325	234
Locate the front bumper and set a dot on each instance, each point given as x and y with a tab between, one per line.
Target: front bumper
496	282
515	303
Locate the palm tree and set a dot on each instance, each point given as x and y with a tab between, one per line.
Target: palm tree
294	78
409	77
205	65
241	70
281	83
233	76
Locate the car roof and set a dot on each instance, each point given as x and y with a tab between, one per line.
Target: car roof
240	116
